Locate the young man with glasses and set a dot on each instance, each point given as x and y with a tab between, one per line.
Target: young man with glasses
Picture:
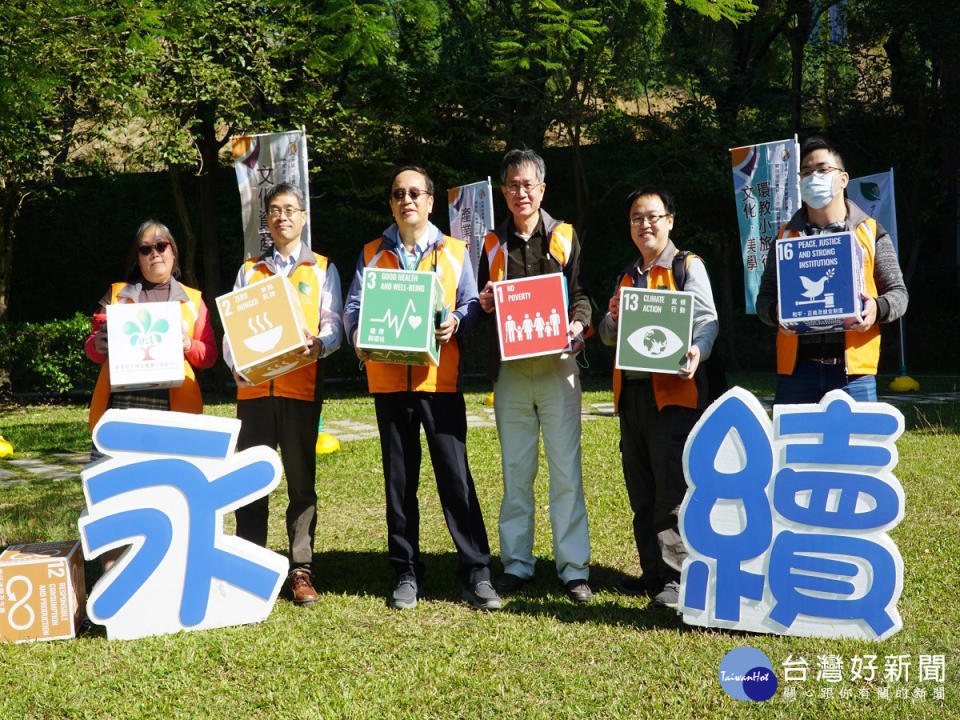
538	394
407	397
285	411
810	365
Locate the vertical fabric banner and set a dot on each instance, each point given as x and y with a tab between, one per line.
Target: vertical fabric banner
262	161
766	187
471	216
874	194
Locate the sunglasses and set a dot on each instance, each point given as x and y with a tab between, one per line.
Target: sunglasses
414	193
160	247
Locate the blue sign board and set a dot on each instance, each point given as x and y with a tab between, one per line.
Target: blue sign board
161	493
819	278
786	522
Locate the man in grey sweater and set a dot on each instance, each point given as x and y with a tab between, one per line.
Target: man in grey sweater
810	365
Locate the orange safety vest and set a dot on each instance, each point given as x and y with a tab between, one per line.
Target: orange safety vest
185	398
561	241
667	389
446	259
307	280
862	354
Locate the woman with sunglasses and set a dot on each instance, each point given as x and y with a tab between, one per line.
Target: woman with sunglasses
153	271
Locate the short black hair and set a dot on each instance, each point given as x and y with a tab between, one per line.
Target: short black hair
411	168
284	188
665	197
816	142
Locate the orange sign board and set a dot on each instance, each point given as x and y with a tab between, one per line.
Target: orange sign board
42	591
264	326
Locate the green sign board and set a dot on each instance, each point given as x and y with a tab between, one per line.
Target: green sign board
398	312
654	329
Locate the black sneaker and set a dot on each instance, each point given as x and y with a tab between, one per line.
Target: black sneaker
482	596
669	597
404	595
635	586
509	584
578	591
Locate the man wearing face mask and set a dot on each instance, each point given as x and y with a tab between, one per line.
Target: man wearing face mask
810	365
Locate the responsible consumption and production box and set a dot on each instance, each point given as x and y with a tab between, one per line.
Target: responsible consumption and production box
654	330
819	278
145	345
531	316
42	591
399	311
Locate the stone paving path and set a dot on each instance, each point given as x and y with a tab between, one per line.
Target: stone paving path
64	466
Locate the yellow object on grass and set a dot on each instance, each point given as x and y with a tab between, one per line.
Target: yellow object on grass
488	400
5	447
327	443
904	383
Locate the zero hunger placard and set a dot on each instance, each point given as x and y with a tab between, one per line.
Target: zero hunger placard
531	316
654	330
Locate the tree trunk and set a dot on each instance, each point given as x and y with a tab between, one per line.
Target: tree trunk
209	148
11	200
188	242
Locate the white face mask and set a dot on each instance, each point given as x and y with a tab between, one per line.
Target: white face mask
816	190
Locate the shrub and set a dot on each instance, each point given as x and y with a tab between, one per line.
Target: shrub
48	358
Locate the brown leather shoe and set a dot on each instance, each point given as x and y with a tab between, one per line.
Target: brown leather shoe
301	589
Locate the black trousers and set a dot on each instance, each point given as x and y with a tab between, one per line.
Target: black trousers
290	425
443	417
651	443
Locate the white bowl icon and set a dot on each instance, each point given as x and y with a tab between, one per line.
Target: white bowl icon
267	340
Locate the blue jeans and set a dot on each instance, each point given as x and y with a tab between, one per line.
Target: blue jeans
812	380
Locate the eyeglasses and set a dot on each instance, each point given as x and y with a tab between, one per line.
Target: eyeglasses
819	170
160	247
399	194
515	188
638	220
276	212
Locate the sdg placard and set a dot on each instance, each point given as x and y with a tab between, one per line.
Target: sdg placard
531	316
819	278
42	591
654	330
399	310
264	325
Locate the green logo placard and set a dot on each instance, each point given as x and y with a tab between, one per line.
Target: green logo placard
397	316
654	329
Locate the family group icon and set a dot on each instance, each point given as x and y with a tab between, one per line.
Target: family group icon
526	328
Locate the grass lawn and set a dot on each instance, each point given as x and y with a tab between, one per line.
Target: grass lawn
350	656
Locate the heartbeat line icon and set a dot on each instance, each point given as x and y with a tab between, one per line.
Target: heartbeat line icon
396	323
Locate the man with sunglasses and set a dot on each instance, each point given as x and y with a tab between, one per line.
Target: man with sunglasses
408	396
538	394
285	411
810	365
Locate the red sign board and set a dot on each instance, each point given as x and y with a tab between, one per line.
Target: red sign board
531	316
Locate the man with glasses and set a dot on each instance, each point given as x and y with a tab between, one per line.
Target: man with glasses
539	394
407	397
285	411
810	365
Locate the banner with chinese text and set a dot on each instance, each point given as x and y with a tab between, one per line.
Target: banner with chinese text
262	161
471	216
766	188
